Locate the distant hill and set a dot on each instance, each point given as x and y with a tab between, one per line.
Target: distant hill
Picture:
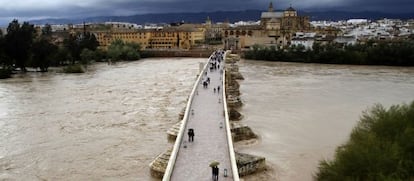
221	16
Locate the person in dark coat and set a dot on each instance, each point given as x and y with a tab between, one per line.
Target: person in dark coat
215	173
190	135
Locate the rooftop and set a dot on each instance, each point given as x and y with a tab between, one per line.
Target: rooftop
272	14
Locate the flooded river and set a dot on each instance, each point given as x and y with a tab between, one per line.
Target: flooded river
304	111
111	122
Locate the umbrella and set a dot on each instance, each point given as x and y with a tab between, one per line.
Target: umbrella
214	163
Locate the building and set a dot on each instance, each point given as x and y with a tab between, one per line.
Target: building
105	38
276	29
213	32
303	39
182	37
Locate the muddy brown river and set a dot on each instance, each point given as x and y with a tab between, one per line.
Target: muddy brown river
302	112
111	122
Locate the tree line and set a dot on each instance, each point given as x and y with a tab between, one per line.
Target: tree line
23	47
370	53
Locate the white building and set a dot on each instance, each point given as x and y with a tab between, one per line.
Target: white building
346	40
357	21
306	42
123	25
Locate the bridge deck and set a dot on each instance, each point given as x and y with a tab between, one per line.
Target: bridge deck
210	141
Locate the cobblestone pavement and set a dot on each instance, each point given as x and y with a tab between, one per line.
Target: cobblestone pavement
210	140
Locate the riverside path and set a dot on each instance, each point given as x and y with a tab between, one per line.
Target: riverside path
210	143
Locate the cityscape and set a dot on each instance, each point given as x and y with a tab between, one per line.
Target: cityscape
87	93
280	28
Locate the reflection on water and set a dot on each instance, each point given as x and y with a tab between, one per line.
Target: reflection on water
304	111
109	123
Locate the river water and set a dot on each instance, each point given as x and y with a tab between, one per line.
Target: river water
111	122
108	123
302	112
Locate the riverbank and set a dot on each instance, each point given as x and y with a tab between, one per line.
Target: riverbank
197	53
77	68
380	53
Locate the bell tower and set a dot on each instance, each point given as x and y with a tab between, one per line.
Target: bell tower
270	7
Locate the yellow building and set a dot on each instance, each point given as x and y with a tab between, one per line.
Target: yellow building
182	37
105	38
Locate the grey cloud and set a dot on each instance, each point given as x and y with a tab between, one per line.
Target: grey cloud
129	7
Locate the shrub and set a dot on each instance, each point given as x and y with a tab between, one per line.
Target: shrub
380	147
5	73
75	68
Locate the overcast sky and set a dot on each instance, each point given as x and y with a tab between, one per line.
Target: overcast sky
36	9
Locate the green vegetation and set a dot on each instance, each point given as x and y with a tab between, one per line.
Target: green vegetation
5	73
18	41
382	53
5	70
76	43
119	50
74	68
43	53
22	47
381	147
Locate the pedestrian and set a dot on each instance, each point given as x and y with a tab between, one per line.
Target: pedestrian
214	90
218	88
216	173
213	172
190	135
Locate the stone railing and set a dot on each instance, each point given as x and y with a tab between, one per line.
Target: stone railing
177	144
232	156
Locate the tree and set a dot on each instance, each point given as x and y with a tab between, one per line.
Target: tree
88	40
61	57
87	56
79	41
380	148
5	64
71	44
4	61
43	53
19	40
115	50
47	30
118	50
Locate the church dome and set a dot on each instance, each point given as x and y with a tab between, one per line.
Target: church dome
290	9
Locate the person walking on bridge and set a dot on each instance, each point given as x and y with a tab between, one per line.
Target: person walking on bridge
215	173
190	135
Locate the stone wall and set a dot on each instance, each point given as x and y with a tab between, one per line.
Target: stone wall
246	164
177	53
249	164
241	132
158	166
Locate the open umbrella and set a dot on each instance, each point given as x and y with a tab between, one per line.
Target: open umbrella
214	163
